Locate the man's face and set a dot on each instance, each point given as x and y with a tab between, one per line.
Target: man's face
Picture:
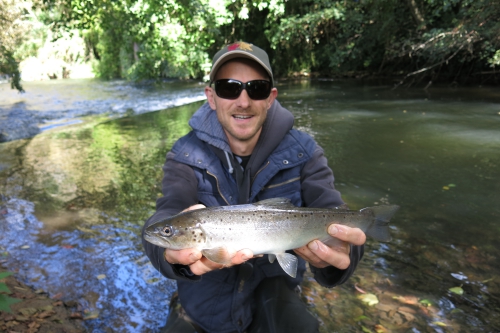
241	118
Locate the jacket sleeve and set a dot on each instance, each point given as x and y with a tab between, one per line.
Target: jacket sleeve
318	191
179	187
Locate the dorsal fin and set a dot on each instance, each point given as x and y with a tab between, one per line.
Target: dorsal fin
275	202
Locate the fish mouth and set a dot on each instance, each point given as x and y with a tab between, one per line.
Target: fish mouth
155	240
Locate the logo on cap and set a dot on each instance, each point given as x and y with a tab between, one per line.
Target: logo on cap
241	45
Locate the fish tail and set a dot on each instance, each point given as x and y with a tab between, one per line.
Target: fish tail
379	228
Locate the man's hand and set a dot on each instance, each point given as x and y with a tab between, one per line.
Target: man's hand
336	254
198	263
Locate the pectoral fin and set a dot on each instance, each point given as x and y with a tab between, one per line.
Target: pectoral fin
288	262
271	257
219	255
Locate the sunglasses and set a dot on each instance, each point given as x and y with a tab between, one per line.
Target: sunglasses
231	89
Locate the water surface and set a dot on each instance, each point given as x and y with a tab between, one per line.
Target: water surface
73	200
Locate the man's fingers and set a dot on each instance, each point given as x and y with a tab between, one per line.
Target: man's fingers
241	256
338	256
193	207
183	257
200	265
204	265
347	234
320	255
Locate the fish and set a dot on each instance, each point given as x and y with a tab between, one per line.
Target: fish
271	226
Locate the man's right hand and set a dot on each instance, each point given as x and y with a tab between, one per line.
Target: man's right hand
199	264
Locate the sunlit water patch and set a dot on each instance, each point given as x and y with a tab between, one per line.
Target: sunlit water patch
101	267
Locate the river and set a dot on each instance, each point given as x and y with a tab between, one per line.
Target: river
74	198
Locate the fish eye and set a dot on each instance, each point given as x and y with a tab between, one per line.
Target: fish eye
167	231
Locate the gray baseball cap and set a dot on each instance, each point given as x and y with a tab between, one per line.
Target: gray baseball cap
241	50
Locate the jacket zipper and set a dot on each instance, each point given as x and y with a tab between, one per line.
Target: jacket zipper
265	166
218	187
284	183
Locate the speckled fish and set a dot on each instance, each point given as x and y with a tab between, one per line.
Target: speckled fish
267	227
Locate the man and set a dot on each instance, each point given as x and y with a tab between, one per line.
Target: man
243	149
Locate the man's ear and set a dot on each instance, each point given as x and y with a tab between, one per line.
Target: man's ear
272	97
209	92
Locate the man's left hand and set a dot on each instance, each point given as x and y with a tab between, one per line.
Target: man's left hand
321	255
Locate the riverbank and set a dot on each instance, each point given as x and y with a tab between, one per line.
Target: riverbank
37	312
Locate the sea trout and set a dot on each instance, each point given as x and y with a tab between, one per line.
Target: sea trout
266	227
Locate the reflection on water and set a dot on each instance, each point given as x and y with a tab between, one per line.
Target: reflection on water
74	199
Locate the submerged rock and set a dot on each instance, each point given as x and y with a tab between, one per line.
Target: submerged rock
18	124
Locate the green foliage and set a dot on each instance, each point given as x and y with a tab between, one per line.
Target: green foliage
413	39
11	35
5	300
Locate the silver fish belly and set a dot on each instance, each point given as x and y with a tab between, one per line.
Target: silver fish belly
270	227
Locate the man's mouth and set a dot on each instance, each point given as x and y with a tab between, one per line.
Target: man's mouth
242	117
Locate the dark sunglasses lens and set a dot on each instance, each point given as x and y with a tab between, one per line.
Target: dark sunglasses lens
231	89
228	89
258	89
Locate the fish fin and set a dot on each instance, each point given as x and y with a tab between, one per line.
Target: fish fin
288	262
379	228
275	202
271	257
217	254
333	242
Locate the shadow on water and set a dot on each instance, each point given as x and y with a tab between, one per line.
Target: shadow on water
75	197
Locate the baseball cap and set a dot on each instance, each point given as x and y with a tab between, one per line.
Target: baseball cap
241	50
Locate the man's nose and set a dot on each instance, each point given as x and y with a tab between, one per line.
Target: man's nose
243	100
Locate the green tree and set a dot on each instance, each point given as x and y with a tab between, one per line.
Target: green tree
11	35
453	40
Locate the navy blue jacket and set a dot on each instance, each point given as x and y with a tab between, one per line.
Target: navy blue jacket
200	168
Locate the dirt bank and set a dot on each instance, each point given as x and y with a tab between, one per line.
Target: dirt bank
37	313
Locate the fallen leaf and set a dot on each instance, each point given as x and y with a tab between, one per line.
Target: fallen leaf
457	290
440	323
91	315
380	329
28	311
370	299
57	296
407	299
406	309
76	315
426	302
46	314
366	329
359	289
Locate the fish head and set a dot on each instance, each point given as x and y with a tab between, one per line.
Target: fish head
175	236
